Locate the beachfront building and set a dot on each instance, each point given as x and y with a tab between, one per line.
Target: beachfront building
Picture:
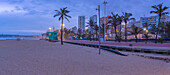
134	22
105	20
153	20
94	19
81	23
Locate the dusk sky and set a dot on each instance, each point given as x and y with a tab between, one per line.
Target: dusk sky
36	16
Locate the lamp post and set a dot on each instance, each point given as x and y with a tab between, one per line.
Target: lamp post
105	18
99	26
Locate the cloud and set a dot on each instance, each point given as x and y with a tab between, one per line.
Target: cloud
38	14
8	8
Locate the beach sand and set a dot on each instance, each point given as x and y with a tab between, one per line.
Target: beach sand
39	57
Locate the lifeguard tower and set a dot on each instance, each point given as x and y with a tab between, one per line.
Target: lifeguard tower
52	36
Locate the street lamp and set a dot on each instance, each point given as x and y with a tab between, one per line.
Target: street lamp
99	26
144	29
147	31
62	25
49	28
105	20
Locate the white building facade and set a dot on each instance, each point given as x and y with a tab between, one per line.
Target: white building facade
81	22
94	19
153	20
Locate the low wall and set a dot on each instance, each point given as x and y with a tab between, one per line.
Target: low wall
164	51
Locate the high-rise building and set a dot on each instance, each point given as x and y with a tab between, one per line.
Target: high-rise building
153	20
94	18
105	20
134	22
102	20
81	22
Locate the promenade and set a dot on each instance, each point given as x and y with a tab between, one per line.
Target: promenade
138	44
159	48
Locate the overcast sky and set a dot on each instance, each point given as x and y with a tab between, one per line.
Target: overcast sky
36	16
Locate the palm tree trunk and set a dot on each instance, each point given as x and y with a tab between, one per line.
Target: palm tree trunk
120	30
93	36
115	33
62	32
147	39
103	32
156	39
126	31
136	37
112	32
120	35
90	35
96	35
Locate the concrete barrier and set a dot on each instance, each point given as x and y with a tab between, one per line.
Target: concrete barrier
127	48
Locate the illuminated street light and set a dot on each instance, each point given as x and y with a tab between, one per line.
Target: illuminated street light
63	25
147	31
49	28
144	29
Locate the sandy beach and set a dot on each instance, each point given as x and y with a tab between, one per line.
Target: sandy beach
39	57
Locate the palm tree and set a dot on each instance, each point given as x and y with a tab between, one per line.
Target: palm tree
91	24
146	32
152	29
96	28
135	31
62	13
168	28
79	33
120	32
160	10
115	21
126	17
146	25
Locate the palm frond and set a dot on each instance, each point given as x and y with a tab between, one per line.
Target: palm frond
57	14
64	8
112	13
155	7
140	30
132	19
67	19
154	12
60	18
66	11
57	10
165	13
67	15
160	6
165	8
